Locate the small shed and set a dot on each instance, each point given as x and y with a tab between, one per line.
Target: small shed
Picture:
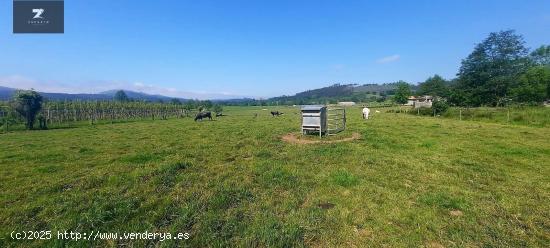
314	119
411	100
346	103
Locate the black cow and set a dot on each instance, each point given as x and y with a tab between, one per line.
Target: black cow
276	113
202	115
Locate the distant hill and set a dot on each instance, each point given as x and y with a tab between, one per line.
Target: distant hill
7	93
340	92
335	90
140	96
379	88
333	93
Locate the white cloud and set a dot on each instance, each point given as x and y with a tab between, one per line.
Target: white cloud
388	59
22	82
173	92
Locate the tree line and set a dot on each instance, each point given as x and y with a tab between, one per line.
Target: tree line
500	71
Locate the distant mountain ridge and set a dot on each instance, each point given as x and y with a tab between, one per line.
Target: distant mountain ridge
7	93
140	95
339	92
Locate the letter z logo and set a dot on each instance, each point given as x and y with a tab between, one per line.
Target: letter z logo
38	13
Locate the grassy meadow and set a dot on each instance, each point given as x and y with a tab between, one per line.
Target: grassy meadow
409	181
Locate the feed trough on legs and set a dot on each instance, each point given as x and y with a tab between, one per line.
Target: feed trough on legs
314	119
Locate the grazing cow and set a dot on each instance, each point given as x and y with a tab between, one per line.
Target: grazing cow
276	113
366	112
202	115
219	115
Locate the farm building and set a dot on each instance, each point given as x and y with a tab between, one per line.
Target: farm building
411	100
420	101
346	103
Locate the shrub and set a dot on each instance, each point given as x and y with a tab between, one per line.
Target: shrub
28	104
424	111
440	107
217	109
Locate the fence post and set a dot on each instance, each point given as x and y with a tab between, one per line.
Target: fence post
460	114
508	116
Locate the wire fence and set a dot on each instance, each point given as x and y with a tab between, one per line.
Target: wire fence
70	113
531	116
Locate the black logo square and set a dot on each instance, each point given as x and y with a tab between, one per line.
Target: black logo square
38	17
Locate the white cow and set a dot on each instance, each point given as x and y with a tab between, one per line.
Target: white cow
366	112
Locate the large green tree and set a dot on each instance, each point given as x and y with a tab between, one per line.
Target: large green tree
532	86
402	93
541	55
434	86
486	75
27	103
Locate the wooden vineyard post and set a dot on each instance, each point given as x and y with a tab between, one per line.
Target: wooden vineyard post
345	118
48	118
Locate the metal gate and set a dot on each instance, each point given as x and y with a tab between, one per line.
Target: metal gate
336	120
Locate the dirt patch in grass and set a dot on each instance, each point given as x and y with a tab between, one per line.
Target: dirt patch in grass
456	213
297	139
362	232
326	205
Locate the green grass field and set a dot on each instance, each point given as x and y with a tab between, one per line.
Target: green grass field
409	181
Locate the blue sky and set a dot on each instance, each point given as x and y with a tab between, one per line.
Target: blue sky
223	49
